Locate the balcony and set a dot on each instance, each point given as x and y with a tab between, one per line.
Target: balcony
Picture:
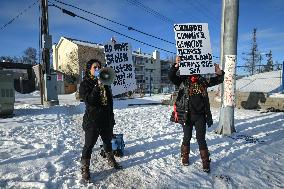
139	73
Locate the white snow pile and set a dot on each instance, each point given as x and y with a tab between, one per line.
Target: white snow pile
267	82
41	148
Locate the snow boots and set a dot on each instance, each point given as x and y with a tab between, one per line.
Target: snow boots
205	160
184	155
111	161
85	170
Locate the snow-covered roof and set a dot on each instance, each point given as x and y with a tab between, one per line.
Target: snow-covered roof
85	43
144	55
267	82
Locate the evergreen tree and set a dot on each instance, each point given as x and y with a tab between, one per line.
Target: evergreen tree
277	65
253	57
269	65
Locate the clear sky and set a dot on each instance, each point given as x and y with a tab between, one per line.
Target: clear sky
265	15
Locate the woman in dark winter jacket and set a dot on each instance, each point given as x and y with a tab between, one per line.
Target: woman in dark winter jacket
192	108
98	119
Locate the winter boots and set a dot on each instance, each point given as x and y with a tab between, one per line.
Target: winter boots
111	161
85	170
205	160
185	155
204	157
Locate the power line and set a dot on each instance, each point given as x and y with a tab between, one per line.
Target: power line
207	12
144	43
83	18
21	13
150	11
128	27
175	4
201	11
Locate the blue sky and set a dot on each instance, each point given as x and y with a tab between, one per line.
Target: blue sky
265	15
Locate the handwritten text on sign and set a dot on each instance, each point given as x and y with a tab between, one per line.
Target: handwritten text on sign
229	80
193	46
119	57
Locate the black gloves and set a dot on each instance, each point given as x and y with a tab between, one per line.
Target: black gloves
209	123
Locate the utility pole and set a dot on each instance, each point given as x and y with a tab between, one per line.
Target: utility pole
222	33
50	85
45	37
220	88
230	36
282	77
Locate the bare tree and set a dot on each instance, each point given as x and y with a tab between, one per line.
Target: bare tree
30	56
72	67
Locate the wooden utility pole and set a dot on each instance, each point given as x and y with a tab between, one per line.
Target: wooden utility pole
229	59
50	88
45	37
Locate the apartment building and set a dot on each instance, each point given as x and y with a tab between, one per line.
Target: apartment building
69	56
147	71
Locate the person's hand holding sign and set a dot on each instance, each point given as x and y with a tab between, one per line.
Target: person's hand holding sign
217	69
177	61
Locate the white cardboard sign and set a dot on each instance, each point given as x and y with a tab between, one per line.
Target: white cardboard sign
119	57
194	48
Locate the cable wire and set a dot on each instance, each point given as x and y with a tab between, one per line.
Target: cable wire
144	43
150	11
128	27
75	15
21	13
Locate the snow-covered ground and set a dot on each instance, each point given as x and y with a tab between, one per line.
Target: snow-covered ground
41	148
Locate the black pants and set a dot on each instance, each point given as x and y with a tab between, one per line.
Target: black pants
91	136
200	126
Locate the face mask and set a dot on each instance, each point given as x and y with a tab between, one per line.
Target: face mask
193	78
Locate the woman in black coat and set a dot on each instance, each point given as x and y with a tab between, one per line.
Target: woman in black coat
98	119
192	108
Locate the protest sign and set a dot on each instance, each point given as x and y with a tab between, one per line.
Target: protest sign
193	46
119	57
